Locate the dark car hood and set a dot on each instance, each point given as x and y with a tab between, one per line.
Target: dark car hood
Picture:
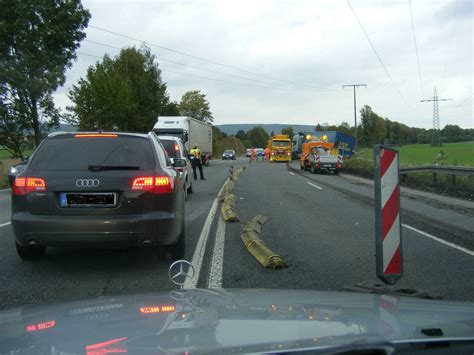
228	320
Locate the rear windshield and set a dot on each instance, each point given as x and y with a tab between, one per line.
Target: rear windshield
229	152
170	147
68	153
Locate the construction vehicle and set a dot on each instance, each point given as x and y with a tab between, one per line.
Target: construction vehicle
343	143
280	148
320	156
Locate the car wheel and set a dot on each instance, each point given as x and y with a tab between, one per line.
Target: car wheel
176	251
190	189
336	172
30	252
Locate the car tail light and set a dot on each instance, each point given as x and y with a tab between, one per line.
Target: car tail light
154	184
180	169
176	147
95	135
288	154
158	309
23	186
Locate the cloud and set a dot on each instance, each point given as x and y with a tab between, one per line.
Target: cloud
317	44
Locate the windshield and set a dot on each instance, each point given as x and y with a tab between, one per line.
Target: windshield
161	90
280	143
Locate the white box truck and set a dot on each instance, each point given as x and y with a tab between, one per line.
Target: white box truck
191	131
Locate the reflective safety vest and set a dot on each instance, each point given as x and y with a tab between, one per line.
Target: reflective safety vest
195	153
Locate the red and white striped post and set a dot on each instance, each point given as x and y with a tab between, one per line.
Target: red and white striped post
388	315
388	238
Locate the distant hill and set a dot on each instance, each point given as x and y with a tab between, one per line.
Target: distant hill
228	143
275	127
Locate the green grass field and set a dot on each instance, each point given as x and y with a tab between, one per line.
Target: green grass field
424	154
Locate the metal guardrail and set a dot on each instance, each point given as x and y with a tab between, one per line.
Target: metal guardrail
442	169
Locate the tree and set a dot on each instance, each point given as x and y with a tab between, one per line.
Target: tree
272	134
194	104
11	133
241	135
318	128
288	131
344	128
452	133
124	93
38	40
257	137
372	127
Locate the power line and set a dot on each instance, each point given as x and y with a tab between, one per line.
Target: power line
376	53
200	58
213	71
416	50
89	55
230	82
355	86
213	79
463	102
451	40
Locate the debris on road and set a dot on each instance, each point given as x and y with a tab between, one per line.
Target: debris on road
251	238
237	173
230	183
227	189
228	208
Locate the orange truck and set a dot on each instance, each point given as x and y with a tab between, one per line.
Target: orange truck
280	148
320	156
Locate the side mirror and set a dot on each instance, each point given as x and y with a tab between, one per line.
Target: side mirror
186	136
25	159
179	163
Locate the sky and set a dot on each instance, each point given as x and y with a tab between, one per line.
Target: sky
286	61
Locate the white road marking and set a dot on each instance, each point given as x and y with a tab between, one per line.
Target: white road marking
217	262
202	242
5	190
291	173
439	240
5	224
316	186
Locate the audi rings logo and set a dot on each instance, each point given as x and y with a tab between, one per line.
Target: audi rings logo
87	182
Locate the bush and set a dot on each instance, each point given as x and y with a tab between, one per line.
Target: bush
359	166
463	188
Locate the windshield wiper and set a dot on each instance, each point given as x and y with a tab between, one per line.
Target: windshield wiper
112	167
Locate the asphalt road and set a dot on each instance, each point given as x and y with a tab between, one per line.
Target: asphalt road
322	225
67	274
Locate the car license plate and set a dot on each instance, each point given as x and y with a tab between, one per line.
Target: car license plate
90	199
327	165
